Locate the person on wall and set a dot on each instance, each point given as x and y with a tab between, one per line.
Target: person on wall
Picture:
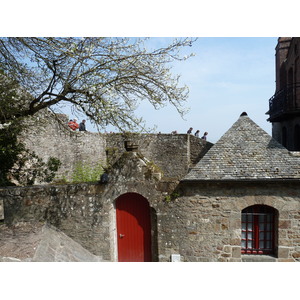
190	130
204	137
82	126
73	125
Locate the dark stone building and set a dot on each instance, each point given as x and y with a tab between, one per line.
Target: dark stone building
284	110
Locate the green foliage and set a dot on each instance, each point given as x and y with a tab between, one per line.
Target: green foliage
86	173
20	166
10	149
174	195
30	168
62	180
52	167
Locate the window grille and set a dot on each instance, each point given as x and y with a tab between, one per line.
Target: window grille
258	230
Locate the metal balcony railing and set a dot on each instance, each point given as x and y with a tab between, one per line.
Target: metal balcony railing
285	101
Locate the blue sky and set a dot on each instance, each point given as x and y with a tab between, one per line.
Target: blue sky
225	77
228	75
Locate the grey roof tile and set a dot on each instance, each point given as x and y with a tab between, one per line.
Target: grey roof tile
246	152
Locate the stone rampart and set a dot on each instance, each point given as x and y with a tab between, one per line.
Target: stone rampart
52	139
172	154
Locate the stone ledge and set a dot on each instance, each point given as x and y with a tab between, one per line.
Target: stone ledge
258	258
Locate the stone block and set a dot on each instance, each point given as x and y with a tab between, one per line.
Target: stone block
222	259
226	255
296	254
284	224
227	249
284	215
1	210
283	252
235	241
258	258
285	260
234	259
236	252
224	227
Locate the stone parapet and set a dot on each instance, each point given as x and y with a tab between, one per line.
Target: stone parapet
174	154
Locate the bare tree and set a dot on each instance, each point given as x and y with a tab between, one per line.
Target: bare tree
105	78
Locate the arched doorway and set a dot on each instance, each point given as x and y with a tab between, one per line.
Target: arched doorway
133	228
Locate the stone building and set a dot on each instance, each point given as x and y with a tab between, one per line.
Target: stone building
284	112
167	198
247	186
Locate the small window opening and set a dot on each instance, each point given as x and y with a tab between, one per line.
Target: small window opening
284	137
258	230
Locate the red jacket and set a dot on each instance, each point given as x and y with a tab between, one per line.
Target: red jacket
73	125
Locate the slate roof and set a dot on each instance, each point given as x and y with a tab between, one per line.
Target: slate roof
246	152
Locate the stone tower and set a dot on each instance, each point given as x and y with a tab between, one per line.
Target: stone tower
284	106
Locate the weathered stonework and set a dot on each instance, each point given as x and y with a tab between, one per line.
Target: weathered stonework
198	217
197	200
204	224
39	242
52	139
173	154
210	229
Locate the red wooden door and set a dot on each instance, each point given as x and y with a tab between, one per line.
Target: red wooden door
133	228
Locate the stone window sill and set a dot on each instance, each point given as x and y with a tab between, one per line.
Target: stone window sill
258	258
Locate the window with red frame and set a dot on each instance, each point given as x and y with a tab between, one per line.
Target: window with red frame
258	230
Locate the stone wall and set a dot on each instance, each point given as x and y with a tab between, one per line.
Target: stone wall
77	210
84	212
50	138
206	221
290	126
203	224
197	149
287	93
173	154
